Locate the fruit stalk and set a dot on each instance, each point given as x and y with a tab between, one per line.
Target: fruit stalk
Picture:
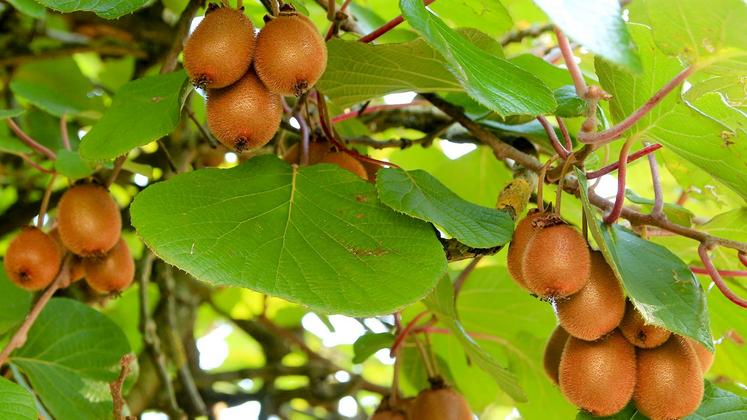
622	171
45	202
387	27
633	156
559	149
716	277
30	141
658	210
571	65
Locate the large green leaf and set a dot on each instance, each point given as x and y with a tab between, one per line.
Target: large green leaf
15	302
15	402
315	235
107	9
597	25
418	194
142	111
71	354
494	82
70	164
660	285
489	16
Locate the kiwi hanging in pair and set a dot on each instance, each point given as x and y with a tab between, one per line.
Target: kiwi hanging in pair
598	376
596	309
291	55
347	162
442	403
524	231
317	152
669	382
112	273
32	259
220	49
642	335
554	352
244	115
88	220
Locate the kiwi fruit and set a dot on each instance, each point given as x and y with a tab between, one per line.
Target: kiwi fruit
705	357
77	272
596	309
220	50
88	220
642	335
669	382
554	351
32	259
440	404
389	415
347	162
556	261
598	376
291	55
524	231
317	151
112	273
244	115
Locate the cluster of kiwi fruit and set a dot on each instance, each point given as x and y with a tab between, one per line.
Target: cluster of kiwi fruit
439	402
246	74
323	152
89	227
602	354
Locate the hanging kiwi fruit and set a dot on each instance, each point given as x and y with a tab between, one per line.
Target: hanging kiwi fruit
32	259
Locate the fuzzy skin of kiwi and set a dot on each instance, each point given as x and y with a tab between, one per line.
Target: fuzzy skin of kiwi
33	259
112	273
291	55
77	272
317	151
554	352
522	234
88	220
669	383
635	330
347	162
596	309
440	404
244	115
556	262
220	50
705	357
598	376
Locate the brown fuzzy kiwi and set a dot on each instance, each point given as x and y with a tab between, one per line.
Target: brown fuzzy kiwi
220	50
347	162
244	115
386	411
524	231
596	309
440	404
554	352
291	55
556	261
88	220
112	273
77	272
705	357
32	259
317	151
669	383
598	376
635	329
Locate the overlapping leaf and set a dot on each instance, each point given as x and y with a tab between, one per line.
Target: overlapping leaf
107	9
15	402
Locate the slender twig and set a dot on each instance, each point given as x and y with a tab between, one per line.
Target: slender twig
459	282
169	159
404	332
118	163
618	129
631	157
35	165
205	134
371	109
570	63
116	386
45	202
727	273
566	135
622	171
559	149
559	192
64	132
742	258
331	10
429	369
531	32
658	209
716	277
387	27
30	141
541	183
304	139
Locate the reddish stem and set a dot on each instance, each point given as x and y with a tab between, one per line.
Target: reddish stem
387	27
30	141
34	165
622	171
716	277
742	258
617	130
658	210
371	109
610	168
570	63
727	273
405	331
64	133
559	149
682	199
566	135
304	139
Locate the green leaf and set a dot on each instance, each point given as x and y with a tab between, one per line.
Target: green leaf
494	82
569	104
15	302
15	402
441	303
418	194
29	8
368	344
315	235
489	16
142	111
676	214
56	86
71	354
11	113
597	26
660	285
70	164
107	9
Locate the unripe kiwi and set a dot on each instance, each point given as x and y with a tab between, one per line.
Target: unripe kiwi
642	335
112	273
291	55
524	231
669	383
596	309
440	404
554	352
88	220
220	49
347	162
598	376
556	262
32	259
244	115
317	151
705	357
